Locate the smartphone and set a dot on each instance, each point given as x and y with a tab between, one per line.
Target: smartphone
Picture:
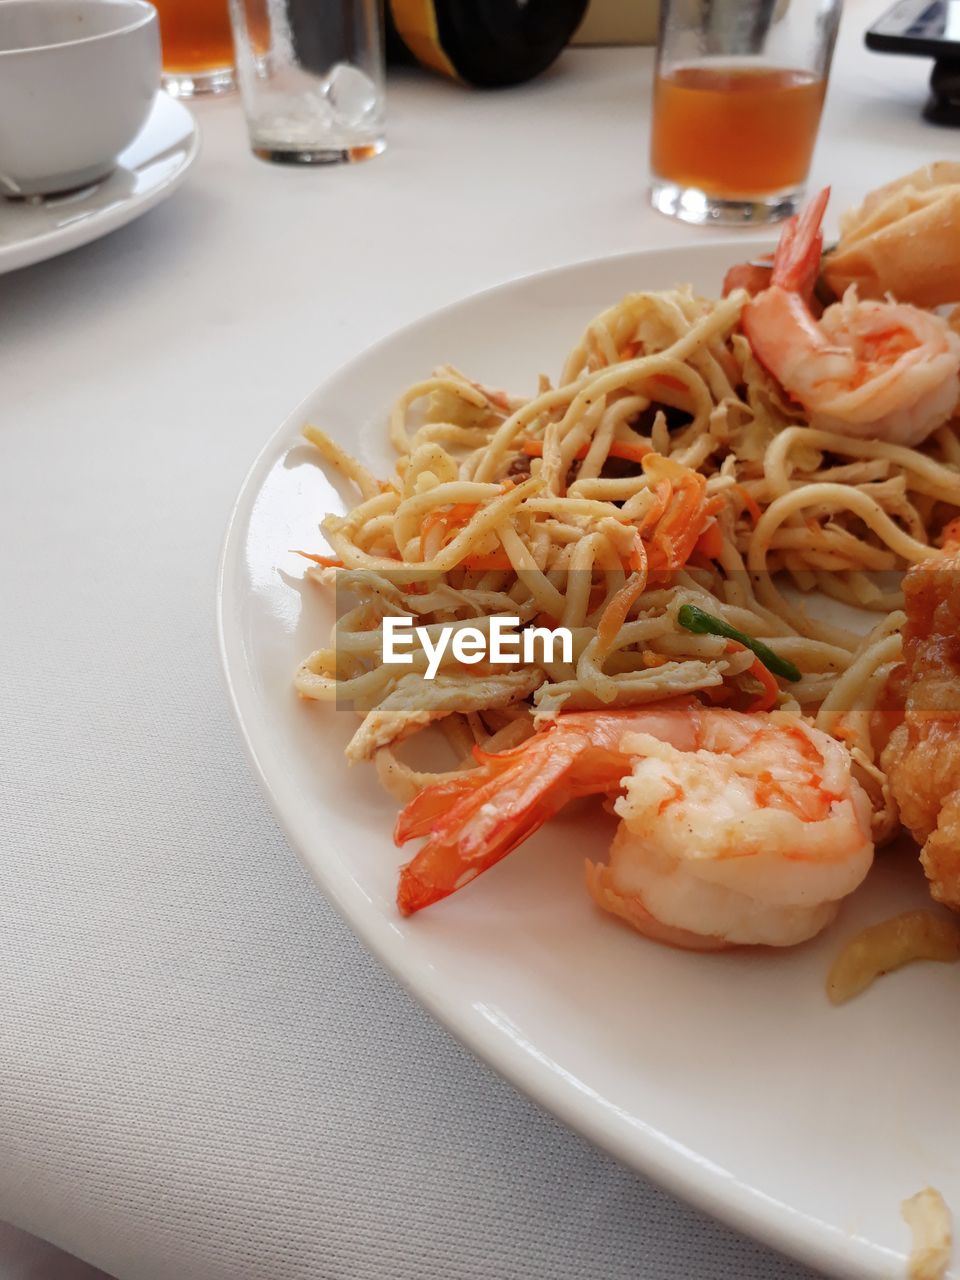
930	28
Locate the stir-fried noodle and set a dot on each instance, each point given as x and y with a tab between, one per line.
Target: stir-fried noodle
666	468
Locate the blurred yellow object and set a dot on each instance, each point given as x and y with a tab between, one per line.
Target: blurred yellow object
417	22
619	22
628	22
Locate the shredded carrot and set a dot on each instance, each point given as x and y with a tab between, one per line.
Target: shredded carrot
680	526
710	542
677	518
630	350
615	614
637	561
751	506
715	505
696	517
771	690
629	450
460	513
651	659
663	492
328	562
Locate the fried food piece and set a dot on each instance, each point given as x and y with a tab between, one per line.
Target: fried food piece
927	1216
903	240
922	757
882	948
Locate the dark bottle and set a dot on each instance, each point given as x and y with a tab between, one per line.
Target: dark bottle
484	42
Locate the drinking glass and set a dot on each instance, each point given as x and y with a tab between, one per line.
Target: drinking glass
311	75
738	91
197	46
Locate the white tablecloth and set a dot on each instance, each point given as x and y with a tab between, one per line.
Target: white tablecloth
202	1073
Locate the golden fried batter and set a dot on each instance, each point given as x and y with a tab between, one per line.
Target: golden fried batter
922	758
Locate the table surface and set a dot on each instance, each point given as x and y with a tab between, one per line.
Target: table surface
202	1073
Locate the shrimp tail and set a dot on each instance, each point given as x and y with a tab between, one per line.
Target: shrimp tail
425	810
474	820
480	818
796	263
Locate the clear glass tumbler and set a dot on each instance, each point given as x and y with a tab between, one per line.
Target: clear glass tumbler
311	75
737	97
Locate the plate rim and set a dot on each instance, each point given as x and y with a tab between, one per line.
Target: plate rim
679	1170
58	240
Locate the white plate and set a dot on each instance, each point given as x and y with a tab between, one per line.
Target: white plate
150	169
728	1078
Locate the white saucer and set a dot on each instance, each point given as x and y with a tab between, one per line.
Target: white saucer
150	169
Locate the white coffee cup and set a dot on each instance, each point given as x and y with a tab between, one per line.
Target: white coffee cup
77	80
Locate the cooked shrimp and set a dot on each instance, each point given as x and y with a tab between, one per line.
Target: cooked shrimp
882	370
735	829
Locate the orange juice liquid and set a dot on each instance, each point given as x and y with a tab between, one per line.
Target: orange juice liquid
195	35
735	130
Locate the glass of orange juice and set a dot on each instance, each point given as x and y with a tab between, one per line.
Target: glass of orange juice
738	91
197	44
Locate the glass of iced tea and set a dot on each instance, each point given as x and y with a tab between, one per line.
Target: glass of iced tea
737	96
197	45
